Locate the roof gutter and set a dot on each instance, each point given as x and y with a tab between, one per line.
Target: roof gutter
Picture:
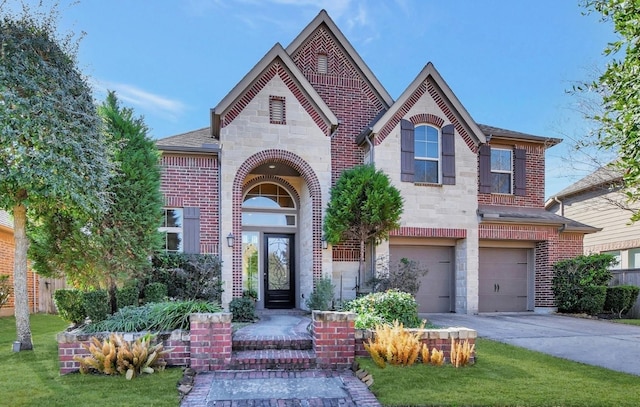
559	202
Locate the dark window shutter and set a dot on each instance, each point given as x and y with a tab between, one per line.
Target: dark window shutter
407	148
485	169
191	230
520	172
448	155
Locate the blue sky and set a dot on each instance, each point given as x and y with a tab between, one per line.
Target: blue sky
509	62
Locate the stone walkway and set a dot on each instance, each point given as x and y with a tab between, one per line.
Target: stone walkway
278	388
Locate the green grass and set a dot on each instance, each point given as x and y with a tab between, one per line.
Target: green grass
31	378
504	375
627	321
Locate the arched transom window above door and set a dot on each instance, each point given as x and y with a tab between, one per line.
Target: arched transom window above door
268	204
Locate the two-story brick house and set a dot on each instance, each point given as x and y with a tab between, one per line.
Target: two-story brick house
253	186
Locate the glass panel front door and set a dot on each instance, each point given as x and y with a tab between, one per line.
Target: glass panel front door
279	272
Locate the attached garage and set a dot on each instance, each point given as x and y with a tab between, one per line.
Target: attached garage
437	293
505	279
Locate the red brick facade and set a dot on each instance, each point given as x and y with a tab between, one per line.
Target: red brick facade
7	248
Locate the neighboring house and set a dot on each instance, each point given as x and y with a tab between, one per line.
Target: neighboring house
254	185
597	199
7	247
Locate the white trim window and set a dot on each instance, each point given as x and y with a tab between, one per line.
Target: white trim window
172	228
427	154
501	171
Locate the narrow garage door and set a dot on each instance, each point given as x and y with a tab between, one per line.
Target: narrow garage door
503	277
436	292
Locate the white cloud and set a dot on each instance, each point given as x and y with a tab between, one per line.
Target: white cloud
145	101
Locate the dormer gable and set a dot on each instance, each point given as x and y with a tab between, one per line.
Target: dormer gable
275	63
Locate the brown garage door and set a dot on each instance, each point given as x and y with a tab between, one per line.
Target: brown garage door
436	292
503	276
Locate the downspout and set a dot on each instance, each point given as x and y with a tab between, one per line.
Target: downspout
372	155
372	266
559	202
219	203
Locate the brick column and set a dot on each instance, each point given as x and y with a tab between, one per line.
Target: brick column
70	345
334	339
210	341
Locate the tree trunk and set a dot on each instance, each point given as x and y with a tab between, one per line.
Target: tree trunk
20	291
361	281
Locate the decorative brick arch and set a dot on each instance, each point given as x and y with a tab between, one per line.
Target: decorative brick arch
315	192
274	180
427	118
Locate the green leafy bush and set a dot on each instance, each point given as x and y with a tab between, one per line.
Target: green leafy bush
620	299
5	290
155	292
592	301
388	306
243	309
154	317
96	305
70	305
322	295
127	296
189	276
572	276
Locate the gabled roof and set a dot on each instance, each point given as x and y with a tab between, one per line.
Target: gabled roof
276	53
431	75
491	131
532	216
323	18
196	141
600	178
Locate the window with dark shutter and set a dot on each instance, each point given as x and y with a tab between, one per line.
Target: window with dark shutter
406	151
520	172
485	169
448	155
191	230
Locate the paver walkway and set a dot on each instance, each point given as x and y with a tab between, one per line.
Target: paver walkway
278	388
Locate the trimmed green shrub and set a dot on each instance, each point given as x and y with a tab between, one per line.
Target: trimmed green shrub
189	276
155	292
387	306
70	305
620	299
592	301
154	317
572	276
243	309
96	305
127	296
322	295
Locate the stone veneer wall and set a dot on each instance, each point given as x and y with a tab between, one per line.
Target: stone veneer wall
208	344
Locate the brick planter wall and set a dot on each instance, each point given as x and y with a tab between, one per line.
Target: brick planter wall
210	341
334	339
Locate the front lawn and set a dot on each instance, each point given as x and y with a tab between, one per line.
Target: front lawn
627	321
31	378
504	375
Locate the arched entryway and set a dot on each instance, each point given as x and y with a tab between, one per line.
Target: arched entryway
277	210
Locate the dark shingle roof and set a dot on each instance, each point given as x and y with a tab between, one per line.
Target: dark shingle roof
511	134
521	215
196	140
600	177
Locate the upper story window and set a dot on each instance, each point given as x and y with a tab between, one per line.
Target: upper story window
323	63
172	225
277	113
427	154
501	171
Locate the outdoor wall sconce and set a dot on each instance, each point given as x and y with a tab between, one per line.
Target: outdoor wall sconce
325	244
230	240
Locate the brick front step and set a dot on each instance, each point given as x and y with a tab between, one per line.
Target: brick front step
273	359
263	343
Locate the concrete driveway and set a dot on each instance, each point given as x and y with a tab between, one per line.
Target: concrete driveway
594	342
